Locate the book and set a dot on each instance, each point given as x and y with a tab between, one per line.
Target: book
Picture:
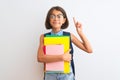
61	40
54	67
65	40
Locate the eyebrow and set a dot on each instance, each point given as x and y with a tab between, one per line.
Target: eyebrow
57	14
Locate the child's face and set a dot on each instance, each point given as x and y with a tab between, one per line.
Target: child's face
57	19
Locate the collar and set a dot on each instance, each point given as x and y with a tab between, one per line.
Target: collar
58	33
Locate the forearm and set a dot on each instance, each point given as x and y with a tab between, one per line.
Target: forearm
84	45
54	58
50	58
85	42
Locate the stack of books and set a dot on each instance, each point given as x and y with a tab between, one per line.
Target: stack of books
56	45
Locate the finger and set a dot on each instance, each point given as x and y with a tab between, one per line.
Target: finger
68	51
74	20
79	24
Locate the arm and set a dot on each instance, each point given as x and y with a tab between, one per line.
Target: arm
50	58
84	44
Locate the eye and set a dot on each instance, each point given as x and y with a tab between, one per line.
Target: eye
60	16
52	16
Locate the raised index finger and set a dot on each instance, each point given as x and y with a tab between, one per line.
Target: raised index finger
74	20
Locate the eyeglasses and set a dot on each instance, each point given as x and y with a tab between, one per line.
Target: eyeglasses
59	16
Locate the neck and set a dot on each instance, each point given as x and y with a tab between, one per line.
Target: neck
56	30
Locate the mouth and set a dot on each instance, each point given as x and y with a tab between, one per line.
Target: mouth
55	22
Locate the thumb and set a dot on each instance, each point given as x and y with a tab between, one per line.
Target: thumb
68	51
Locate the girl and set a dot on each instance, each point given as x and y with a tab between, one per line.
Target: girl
57	20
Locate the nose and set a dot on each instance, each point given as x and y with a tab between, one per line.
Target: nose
56	18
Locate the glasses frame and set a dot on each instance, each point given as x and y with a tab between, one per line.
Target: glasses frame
59	16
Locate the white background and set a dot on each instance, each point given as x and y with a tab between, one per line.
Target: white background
22	22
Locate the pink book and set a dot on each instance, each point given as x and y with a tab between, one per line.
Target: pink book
54	50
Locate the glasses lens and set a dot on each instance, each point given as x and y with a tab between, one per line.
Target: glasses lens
59	16
52	16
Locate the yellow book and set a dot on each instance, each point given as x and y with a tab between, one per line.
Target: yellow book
64	40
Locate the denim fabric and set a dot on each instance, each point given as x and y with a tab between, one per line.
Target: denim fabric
59	76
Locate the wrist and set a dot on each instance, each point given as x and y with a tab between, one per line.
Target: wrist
61	57
80	32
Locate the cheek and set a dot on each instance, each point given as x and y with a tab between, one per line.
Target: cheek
51	22
64	20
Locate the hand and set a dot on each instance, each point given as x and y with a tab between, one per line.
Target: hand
78	25
67	56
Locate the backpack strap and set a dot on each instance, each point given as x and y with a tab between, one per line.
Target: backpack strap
49	33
